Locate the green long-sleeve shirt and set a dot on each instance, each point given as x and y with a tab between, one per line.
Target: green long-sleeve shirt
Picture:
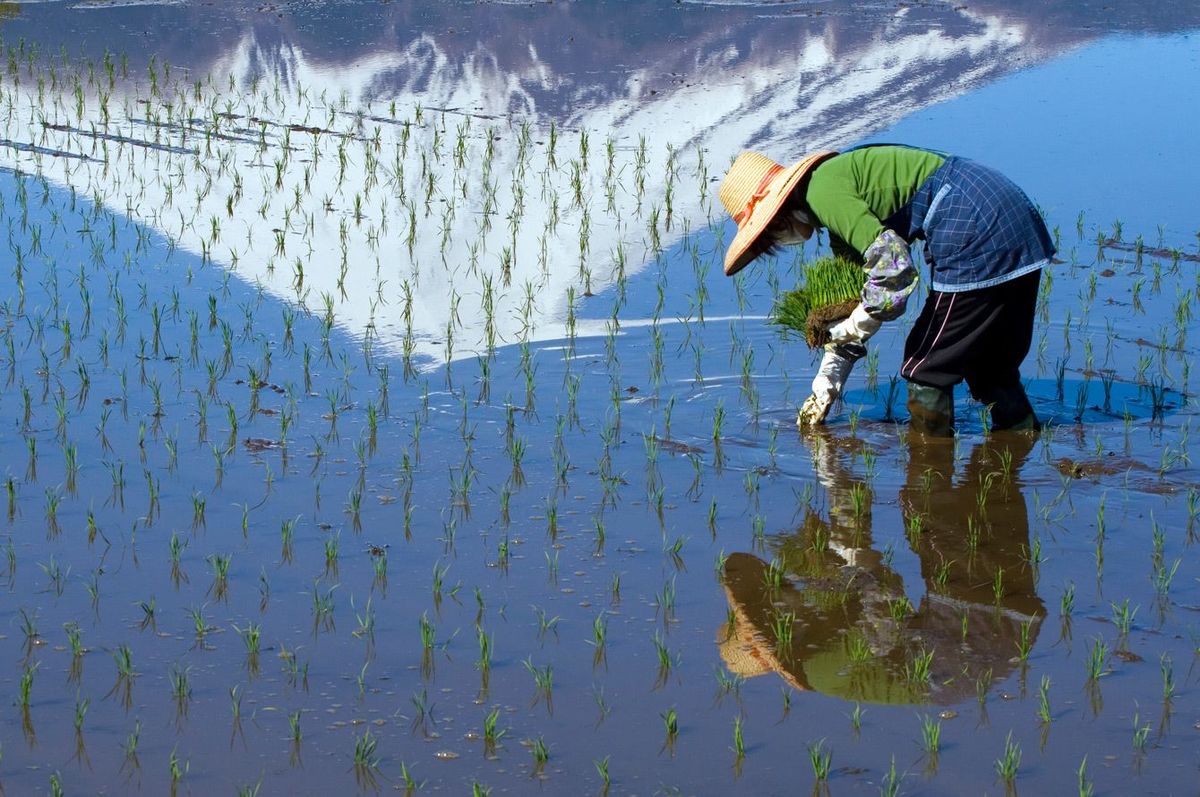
853	193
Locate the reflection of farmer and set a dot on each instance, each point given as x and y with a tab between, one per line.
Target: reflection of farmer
854	634
985	243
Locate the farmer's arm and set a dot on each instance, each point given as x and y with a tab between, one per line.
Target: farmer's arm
891	277
857	234
850	194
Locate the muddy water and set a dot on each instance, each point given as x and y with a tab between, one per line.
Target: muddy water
294	501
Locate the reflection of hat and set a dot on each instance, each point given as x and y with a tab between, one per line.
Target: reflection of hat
745	650
817	658
753	191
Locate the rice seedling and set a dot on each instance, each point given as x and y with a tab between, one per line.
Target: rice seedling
739	743
917	670
410	783
366	622
220	566
543	679
428	633
1096	661
890	786
365	755
821	758
931	735
181	688
251	637
1086	787
665	600
56	575
29	626
25	684
599	633
424	717
10	489
1166	668
53	500
74	639
601	765
123	657
900	608
545	623
783	627
1122	617
1009	762
858	649
1025	641
322	607
671	726
1141	734
983	685
331	545
1067	601
1043	713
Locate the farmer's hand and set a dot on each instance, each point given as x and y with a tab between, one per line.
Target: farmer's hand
858	328
830	380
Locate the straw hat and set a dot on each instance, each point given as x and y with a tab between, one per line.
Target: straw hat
753	191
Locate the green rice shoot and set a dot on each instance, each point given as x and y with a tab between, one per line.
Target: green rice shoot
830	290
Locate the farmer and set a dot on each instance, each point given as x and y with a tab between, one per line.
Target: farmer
984	240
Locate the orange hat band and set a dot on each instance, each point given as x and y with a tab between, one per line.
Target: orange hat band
759	194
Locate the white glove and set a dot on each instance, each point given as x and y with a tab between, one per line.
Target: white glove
858	328
827	386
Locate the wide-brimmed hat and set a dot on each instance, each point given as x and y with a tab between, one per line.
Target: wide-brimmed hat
753	191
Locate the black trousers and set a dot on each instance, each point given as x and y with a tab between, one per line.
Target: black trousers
981	336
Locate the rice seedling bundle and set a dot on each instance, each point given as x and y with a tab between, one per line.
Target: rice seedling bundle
830	291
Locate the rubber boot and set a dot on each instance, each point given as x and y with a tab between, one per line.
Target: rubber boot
1011	409
930	410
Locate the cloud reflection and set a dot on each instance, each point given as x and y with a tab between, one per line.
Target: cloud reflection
391	168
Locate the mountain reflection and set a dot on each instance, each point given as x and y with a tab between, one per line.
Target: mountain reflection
829	613
390	165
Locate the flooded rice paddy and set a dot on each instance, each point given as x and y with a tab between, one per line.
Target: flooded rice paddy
376	415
